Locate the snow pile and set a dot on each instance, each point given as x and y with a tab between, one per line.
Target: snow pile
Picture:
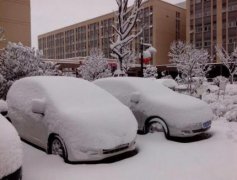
223	103
84	115
3	106
10	148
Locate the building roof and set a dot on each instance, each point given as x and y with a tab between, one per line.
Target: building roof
181	4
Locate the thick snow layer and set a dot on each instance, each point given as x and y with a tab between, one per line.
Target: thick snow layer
10	148
3	105
170	83
84	115
214	158
178	110
223	103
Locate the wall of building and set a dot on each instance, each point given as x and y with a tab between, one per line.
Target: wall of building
211	23
162	22
15	19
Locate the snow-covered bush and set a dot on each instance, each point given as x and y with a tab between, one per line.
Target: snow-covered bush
224	105
229	60
150	72
18	61
95	66
219	79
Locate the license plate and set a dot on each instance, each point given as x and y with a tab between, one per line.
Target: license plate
206	124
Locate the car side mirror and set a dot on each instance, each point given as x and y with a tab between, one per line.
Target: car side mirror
135	97
38	106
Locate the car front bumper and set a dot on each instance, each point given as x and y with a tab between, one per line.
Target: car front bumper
93	156
191	130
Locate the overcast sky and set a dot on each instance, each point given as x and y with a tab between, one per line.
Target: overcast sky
48	15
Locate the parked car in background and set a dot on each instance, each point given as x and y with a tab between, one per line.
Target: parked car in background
10	152
153	104
169	83
71	117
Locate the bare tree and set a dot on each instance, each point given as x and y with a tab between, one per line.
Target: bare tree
190	62
126	20
229	60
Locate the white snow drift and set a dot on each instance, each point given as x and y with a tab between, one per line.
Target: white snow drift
10	148
180	115
87	119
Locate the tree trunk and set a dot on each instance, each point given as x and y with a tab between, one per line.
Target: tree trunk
231	78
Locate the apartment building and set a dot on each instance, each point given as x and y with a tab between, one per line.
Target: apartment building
162	23
211	23
15	20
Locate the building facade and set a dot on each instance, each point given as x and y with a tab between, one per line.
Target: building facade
15	20
162	23
211	23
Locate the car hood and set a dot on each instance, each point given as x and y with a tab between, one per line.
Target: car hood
179	110
97	128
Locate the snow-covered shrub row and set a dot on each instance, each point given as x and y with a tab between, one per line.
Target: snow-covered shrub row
223	102
18	61
95	66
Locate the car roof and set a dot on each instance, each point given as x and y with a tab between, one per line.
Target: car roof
145	85
64	91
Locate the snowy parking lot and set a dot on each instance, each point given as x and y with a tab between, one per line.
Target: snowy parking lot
212	158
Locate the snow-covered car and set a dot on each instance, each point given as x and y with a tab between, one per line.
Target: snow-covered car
154	104
71	117
170	83
10	152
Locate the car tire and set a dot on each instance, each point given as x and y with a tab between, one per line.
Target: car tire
162	123
57	147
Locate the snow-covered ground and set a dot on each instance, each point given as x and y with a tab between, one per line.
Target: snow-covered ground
214	158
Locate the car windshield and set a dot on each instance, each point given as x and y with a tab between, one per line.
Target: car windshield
68	92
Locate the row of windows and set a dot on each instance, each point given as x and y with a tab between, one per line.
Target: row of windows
77	41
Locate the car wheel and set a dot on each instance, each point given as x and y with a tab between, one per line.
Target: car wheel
57	147
158	125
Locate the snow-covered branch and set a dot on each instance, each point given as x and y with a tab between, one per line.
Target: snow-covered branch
126	20
190	62
229	60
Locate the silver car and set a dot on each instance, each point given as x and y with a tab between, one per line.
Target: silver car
155	105
71	117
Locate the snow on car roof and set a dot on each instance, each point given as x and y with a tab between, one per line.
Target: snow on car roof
143	84
66	91
10	148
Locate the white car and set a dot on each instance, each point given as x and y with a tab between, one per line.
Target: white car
154	104
71	117
10	152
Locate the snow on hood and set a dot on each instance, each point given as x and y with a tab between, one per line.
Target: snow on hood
99	128
10	148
